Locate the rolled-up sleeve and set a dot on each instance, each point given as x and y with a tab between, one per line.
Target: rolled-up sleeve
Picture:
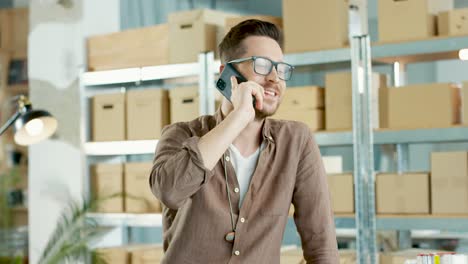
313	214
178	171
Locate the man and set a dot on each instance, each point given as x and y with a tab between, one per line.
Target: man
227	181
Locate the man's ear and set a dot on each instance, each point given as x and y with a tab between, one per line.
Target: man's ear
221	68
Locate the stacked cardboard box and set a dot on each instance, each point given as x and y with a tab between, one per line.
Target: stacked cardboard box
453	22
326	23
465	103
106	181
202	29
136	115
341	188
231	22
132	254
294	255
128	184
138	195
440	107
185	105
449	183
338	100
304	104
416	18
147	113
147	46
14	29
108	117
402	194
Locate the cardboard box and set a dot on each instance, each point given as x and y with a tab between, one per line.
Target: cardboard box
185	104
341	188
453	22
291	255
106	181
449	182
201	29
14	30
339	100
19	216
402	194
304	104
232	21
138	195
146	254
294	255
140	47
326	23
440	107
465	103
399	257
114	255
416	18
147	113
108	117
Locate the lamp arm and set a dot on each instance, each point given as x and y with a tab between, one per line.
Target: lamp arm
9	122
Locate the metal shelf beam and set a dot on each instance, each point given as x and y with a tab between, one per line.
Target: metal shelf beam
120	147
127	220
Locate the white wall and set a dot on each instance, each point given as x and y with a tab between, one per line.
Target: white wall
56	55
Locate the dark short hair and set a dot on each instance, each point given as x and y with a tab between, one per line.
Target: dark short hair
231	46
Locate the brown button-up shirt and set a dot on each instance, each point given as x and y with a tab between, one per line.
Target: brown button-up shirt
196	215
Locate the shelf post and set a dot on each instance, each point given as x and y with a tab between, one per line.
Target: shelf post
363	147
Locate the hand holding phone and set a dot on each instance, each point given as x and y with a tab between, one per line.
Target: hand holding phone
224	85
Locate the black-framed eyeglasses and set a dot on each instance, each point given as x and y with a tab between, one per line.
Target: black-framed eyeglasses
263	66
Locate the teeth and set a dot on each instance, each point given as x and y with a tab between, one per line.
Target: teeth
270	93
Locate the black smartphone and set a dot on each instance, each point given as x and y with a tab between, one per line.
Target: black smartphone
223	84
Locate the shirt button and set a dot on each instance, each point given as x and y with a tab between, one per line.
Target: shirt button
242	220
237	253
236	190
227	158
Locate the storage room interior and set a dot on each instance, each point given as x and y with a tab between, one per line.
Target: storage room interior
381	84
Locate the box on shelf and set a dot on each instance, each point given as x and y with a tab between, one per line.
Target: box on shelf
147	113
19	216
465	103
185	105
440	107
195	31
138	195
341	188
291	255
106	181
139	47
304	104
402	194
114	255
145	254
108	117
453	22
339	102
399	257
326	23
416	18
14	30
232	21
333	164
449	182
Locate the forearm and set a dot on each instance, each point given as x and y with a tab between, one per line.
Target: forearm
214	143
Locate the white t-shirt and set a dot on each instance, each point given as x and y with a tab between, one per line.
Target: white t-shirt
244	168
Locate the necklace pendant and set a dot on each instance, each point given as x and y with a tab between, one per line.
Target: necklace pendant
230	237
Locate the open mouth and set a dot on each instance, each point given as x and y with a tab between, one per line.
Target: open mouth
270	93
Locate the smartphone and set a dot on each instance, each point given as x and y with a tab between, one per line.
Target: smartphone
223	84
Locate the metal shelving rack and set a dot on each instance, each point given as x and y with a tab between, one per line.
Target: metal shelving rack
403	53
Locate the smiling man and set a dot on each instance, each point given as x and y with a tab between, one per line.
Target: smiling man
227	181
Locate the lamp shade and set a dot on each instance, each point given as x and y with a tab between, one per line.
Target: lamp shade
34	126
